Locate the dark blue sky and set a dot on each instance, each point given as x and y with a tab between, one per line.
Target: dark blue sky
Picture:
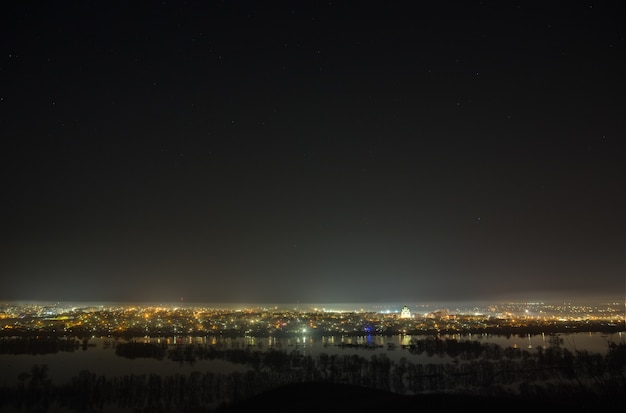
313	152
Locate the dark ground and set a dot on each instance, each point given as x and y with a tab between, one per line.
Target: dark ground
319	397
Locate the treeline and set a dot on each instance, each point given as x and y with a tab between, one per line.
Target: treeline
134	350
550	373
39	345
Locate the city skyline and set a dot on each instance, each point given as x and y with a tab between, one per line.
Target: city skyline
313	152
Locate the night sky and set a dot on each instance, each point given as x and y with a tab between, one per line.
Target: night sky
312	151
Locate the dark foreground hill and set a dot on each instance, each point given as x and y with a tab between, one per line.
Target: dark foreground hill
319	397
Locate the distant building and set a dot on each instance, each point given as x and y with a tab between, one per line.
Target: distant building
443	313
405	313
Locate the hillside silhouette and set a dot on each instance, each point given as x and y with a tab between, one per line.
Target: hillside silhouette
317	396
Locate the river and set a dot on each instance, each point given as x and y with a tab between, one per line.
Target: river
100	356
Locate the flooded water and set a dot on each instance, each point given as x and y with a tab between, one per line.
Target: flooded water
100	356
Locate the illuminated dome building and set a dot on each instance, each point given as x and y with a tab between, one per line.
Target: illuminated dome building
405	313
